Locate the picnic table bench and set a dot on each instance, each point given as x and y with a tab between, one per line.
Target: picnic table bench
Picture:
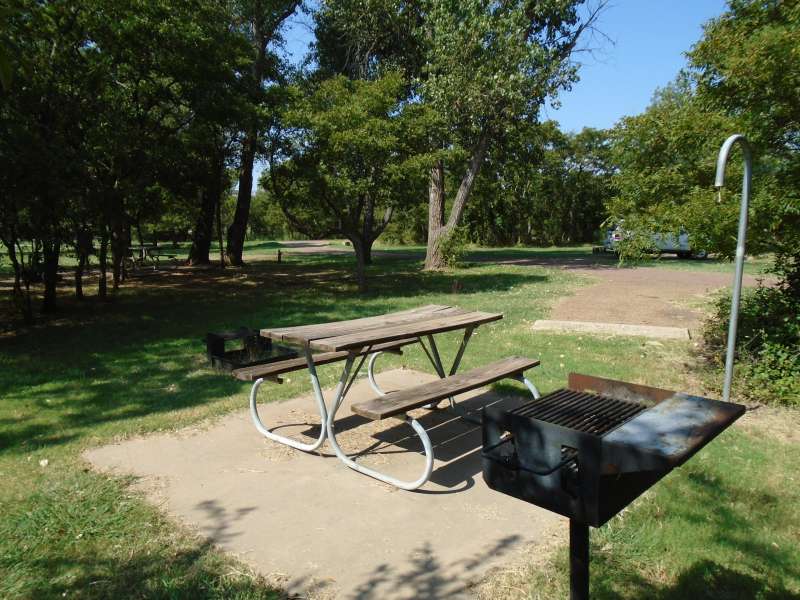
349	340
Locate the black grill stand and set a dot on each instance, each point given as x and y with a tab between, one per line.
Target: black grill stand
578	560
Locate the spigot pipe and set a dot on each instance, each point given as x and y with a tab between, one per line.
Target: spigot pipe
719	183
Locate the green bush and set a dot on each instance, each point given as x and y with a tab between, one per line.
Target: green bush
454	246
767	365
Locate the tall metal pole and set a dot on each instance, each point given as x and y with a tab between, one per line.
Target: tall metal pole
719	183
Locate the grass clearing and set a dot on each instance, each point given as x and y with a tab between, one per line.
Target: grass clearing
136	365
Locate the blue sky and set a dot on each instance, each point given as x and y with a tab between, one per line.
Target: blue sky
648	39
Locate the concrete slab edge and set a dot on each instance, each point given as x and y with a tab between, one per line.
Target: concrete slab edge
625	329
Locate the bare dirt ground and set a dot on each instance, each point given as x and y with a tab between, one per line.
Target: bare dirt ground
319	529
644	296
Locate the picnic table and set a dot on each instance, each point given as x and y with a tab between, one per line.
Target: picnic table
152	254
352	342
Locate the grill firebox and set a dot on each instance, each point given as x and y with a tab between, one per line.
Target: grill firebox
590	449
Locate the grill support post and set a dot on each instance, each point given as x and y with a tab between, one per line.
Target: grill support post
578	560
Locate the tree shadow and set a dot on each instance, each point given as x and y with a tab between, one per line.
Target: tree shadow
427	576
108	363
760	570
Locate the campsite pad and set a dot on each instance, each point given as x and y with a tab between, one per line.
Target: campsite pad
317	528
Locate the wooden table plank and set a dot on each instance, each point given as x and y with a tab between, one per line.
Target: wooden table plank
401	401
426	325
304	333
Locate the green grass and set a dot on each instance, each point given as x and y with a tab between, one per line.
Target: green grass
101	372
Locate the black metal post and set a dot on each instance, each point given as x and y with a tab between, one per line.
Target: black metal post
578	560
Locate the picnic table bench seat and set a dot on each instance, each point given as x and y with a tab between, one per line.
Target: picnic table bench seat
399	402
272	370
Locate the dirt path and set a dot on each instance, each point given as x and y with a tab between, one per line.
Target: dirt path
644	296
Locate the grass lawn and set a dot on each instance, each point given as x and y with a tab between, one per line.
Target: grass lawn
724	526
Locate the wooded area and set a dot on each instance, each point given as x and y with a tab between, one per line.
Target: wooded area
419	121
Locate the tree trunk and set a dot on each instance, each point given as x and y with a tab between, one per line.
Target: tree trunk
21	298
434	260
51	250
362	249
83	247
435	215
237	230
119	239
203	229
219	234
102	286
79	276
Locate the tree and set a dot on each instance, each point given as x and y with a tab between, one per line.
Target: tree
665	160
261	21
349	161
113	106
541	186
489	64
746	66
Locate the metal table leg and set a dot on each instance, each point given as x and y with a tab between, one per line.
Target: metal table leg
323	414
330	425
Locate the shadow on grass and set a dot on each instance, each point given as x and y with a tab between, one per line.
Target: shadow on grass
182	574
143	354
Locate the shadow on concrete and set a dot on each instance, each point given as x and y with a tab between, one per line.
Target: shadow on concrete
428	577
456	442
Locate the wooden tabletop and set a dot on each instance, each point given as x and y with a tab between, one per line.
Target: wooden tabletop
358	333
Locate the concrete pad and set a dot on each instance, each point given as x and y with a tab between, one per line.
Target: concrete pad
316	527
650	331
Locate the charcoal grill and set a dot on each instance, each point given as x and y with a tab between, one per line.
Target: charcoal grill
590	449
255	349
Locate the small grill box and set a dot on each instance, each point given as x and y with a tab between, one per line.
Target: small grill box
589	450
255	350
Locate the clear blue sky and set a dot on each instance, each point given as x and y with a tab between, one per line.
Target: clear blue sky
649	39
646	51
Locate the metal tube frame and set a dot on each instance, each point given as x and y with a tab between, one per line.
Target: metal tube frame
262	429
719	183
331	431
328	431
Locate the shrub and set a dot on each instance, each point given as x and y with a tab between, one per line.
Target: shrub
454	246
768	343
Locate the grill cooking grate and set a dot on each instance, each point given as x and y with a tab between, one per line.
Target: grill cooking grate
590	413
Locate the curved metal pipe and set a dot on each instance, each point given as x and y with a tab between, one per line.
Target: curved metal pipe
323	413
331	432
719	183
371	374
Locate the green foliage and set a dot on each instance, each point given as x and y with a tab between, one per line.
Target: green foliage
746	64
491	63
542	187
349	162
665	161
666	156
454	246
768	344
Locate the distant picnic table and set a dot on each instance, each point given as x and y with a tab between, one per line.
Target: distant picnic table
148	255
359	339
